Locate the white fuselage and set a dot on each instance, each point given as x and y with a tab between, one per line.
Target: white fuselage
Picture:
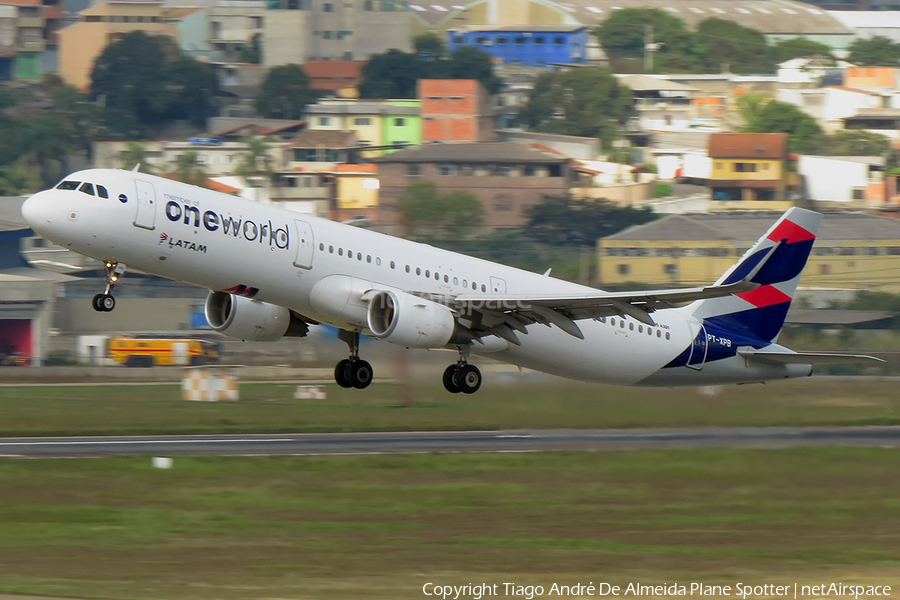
217	241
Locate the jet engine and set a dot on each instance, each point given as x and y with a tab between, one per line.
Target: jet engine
410	321
251	320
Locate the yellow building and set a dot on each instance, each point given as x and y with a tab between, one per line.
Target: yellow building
357	191
82	42
749	171
852	251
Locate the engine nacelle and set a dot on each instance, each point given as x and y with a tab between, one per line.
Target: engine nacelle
251	320
410	321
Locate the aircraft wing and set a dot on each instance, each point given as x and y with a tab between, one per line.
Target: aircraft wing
502	315
806	358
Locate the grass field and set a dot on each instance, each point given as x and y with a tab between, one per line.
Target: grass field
383	526
511	404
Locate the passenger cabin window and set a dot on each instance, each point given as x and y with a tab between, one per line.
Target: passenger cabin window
101	191
68	185
87	188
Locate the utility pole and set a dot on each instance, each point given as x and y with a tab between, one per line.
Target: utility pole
649	48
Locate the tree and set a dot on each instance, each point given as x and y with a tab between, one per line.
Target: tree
17	178
252	52
726	42
577	102
188	168
147	77
561	220
750	105
135	154
430	215
429	45
804	134
854	142
393	74
285	93
623	35
469	62
255	164
877	51
194	84
799	47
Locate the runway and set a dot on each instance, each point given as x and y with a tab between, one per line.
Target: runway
301	444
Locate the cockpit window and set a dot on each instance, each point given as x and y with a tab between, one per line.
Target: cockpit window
101	191
87	188
68	185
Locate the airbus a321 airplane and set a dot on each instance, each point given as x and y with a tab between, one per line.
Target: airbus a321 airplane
273	273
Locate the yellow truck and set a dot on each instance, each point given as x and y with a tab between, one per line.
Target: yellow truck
149	352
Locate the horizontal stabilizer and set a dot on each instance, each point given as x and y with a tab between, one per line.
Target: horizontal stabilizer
806	358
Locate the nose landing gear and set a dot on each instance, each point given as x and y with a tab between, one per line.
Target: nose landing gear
105	302
462	377
352	372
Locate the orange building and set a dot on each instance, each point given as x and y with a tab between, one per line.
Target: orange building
455	110
872	78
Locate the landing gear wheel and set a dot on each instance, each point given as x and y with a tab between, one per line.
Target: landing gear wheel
340	374
450	379
103	302
469	379
359	373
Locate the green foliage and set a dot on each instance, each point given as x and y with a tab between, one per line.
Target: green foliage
285	93
866	300
662	190
189	169
584	102
563	220
42	143
18	178
743	49
877	51
430	45
429	214
772	116
622	35
134	154
854	142
800	47
255	163
715	43
147	78
469	62
252	52
194	85
395	74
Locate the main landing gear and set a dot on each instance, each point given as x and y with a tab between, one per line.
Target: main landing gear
462	377
105	302
352	372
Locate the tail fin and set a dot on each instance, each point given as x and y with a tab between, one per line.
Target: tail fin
775	262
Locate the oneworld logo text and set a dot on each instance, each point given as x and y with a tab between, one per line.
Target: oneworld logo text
251	231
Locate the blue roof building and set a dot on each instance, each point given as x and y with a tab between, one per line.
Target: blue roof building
532	46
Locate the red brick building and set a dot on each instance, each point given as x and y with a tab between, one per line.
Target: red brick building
455	110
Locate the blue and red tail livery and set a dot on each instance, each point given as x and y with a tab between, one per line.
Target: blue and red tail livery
778	259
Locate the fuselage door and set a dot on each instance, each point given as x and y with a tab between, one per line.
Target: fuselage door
699	348
146	205
498	286
305	244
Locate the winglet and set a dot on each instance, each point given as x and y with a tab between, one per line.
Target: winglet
136	167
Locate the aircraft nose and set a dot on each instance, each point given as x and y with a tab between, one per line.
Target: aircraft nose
37	210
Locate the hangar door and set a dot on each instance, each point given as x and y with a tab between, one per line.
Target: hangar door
16	343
